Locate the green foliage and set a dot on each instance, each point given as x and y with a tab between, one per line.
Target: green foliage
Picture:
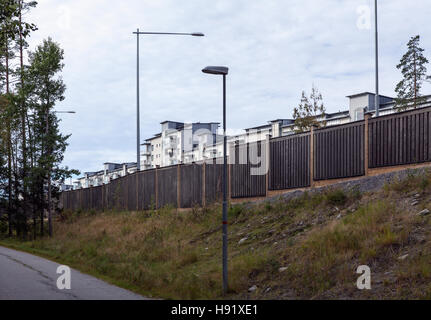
307	113
414	71
336	197
235	211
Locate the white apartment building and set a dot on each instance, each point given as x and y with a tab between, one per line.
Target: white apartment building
186	143
111	172
152	153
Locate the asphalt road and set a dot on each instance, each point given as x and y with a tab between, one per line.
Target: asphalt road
27	277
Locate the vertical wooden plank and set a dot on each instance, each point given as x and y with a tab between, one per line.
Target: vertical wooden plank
156	187
267	162
367	144
204	183
178	186
312	157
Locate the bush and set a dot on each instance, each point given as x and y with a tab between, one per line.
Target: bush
235	211
336	197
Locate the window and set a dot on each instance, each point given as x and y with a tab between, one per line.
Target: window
359	115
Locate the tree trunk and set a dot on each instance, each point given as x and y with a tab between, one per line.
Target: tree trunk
23	119
9	147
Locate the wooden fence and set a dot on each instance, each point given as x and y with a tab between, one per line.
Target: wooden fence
339	151
290	162
283	163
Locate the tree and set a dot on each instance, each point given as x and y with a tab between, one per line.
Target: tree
308	111
31	145
413	69
45	87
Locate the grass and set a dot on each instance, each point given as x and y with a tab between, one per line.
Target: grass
319	238
161	253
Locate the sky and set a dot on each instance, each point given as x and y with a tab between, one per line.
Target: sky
274	49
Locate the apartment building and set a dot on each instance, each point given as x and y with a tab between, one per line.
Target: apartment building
180	142
110	172
152	153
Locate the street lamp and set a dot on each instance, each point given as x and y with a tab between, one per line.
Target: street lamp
377	101
224	72
138	143
49	172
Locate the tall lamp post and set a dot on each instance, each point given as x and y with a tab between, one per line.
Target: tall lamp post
377	102
138	116
224	72
49	173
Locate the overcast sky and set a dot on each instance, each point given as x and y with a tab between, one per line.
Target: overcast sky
274	49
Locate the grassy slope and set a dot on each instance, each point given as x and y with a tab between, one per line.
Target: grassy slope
318	239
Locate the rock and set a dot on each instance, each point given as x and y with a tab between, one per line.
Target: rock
336	209
417	195
275	243
404	257
415	203
424	212
283	269
339	216
242	241
268	289
252	289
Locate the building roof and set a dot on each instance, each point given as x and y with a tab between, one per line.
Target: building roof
156	136
339	114
168	121
367	93
265	126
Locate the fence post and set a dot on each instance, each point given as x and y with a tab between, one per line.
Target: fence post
179	186
267	161
366	144
312	156
204	184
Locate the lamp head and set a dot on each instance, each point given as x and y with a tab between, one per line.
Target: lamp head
216	70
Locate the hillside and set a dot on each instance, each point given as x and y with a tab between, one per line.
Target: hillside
302	245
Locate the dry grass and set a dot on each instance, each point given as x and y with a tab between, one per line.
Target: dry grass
159	253
175	255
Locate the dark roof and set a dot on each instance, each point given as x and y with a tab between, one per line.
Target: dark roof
336	114
265	126
367	93
155	136
176	122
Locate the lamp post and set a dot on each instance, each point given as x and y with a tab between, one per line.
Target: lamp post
377	101
138	116
49	172
224	72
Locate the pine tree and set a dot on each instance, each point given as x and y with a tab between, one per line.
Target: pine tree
47	146
414	71
308	111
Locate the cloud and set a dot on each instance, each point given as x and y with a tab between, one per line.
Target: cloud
275	49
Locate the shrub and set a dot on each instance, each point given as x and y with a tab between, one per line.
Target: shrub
235	211
336	197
